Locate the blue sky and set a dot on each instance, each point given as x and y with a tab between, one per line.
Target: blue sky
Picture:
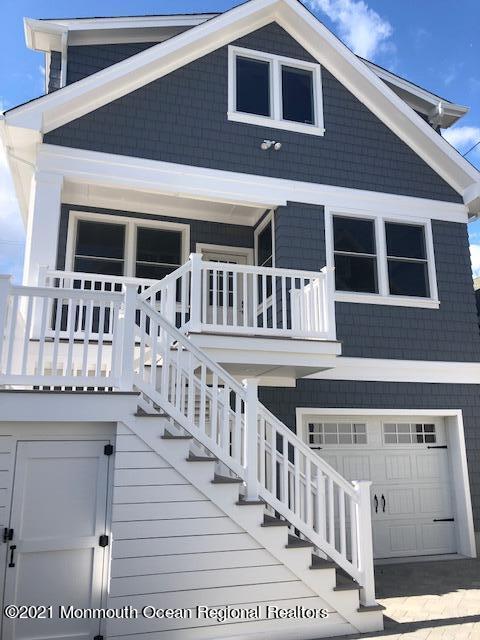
433	43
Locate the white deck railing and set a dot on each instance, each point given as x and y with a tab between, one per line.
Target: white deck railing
215	297
148	353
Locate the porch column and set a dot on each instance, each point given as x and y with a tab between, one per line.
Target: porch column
42	225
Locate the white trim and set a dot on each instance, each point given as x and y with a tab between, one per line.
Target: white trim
55	109
385	370
269	217
456	440
131	224
200	247
383	296
275	120
117	171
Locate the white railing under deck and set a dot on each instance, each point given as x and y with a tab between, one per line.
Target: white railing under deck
215	297
148	353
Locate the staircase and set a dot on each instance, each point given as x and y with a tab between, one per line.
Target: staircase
199	427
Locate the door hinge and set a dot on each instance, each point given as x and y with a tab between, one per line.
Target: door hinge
108	449
444	519
437	446
103	541
7	534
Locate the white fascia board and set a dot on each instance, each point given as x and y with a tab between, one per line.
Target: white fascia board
455	110
380	370
73	101
93	167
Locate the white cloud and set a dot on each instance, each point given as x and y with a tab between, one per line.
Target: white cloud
475	258
463	138
360	27
12	234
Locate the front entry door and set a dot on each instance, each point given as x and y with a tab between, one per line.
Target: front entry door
221	292
54	558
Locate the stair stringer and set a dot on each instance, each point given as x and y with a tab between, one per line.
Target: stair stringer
249	518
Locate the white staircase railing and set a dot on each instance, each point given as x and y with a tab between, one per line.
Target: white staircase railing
227	419
46	341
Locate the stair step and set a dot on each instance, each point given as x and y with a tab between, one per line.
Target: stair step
373	607
321	563
297	543
217	479
247	503
346	584
170	436
270	521
194	458
144	414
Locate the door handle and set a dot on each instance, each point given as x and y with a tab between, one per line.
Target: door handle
383	503
12	553
375	499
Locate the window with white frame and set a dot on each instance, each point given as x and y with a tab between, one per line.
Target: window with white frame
274	91
325	433
409	433
391	259
127	247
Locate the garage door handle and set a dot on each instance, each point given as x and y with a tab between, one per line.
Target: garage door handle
12	553
375	499
383	503
444	519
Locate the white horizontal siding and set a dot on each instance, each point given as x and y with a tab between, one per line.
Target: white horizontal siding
172	547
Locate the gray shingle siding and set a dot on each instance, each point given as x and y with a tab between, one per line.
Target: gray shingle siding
85	60
387	395
182	118
55	71
202	231
378	331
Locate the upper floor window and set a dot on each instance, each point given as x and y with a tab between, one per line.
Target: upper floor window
125	247
274	91
264	242
382	261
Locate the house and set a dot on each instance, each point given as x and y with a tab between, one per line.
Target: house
244	362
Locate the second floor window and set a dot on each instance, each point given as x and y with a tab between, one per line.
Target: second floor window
275	91
392	260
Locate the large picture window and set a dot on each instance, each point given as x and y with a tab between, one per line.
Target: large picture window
274	91
381	261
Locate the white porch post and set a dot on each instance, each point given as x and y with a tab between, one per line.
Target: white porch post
43	224
127	338
5	283
196	292
251	438
329	301
365	542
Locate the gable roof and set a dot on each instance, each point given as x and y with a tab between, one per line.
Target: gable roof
53	110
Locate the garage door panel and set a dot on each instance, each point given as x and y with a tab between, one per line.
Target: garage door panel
409	467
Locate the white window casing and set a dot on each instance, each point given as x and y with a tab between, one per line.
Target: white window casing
383	296
275	119
131	225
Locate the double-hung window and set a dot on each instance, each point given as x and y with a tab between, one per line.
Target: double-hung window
274	91
382	261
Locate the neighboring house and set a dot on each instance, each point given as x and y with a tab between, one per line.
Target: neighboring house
246	343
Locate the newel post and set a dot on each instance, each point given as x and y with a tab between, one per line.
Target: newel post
5	284
329	301
365	542
196	292
251	439
126	337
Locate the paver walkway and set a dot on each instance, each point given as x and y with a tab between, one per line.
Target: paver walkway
429	600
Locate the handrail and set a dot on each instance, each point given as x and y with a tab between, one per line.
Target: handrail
245	436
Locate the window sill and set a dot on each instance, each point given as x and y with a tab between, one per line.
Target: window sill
264	121
394	301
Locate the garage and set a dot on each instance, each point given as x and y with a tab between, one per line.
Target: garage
415	481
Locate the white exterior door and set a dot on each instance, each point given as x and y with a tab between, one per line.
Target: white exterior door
407	460
54	558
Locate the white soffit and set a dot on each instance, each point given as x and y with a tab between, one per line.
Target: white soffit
73	101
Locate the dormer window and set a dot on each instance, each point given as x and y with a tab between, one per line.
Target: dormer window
273	91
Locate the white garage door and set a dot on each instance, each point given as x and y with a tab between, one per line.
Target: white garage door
407	459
